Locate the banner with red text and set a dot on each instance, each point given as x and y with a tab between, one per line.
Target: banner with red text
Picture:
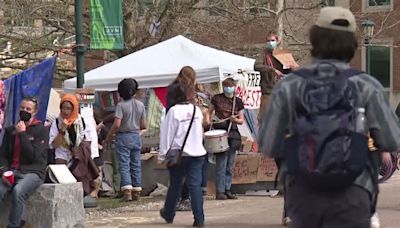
249	89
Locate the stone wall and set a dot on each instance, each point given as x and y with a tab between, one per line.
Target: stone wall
51	206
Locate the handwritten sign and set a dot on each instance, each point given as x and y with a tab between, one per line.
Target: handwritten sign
249	89
267	169
245	169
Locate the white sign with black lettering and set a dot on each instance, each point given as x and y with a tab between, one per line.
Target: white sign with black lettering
249	89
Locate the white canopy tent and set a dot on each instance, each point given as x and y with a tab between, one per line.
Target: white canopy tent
158	65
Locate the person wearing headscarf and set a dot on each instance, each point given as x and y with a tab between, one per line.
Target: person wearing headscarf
67	131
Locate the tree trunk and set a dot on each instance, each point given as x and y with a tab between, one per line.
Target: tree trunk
280	4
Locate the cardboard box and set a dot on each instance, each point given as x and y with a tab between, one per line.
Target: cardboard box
245	168
267	169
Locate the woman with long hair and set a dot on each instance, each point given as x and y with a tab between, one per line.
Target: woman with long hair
187	77
182	119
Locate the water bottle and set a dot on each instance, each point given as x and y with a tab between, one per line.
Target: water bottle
361	122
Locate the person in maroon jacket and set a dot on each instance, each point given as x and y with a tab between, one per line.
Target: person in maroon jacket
24	152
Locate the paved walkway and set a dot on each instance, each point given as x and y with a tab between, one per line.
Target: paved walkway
245	212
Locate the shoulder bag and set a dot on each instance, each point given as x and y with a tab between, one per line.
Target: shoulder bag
173	156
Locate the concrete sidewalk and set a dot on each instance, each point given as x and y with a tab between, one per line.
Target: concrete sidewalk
259	211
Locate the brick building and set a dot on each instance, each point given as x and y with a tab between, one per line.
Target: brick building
384	49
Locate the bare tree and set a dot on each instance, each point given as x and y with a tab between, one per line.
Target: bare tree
37	29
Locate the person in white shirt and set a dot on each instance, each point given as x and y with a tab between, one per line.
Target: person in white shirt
172	135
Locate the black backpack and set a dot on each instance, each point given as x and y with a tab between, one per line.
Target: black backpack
324	150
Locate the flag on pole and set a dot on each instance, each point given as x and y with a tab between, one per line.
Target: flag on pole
154	27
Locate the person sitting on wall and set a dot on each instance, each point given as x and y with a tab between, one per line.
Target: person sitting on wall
24	153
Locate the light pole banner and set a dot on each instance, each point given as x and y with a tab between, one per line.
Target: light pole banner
106	25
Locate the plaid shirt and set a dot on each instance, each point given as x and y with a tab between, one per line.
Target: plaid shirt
382	121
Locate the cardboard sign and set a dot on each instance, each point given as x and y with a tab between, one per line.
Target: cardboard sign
267	169
245	169
285	58
249	89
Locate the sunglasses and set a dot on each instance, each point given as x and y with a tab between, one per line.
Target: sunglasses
30	98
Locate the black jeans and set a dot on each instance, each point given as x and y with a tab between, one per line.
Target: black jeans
311	209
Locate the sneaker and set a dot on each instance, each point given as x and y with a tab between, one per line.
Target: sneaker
229	195
195	224
221	196
89	202
184	205
162	214
375	223
286	221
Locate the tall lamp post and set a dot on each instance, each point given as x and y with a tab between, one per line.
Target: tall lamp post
80	46
368	32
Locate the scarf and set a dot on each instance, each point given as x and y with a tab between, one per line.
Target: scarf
76	126
75	104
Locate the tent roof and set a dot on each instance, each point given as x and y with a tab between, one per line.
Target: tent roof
158	65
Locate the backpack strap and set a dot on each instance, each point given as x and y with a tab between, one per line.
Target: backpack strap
83	123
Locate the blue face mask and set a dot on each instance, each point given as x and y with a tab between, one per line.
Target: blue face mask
271	45
229	90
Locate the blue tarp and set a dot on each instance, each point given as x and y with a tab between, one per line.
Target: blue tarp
35	81
251	118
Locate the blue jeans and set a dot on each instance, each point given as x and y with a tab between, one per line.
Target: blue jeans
204	170
191	169
128	147
204	179
224	166
25	186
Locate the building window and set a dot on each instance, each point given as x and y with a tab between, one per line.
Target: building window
330	2
379	64
379	3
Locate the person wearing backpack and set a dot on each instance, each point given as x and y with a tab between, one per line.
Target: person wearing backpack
317	125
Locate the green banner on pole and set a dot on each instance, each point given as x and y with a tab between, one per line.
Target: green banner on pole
106	30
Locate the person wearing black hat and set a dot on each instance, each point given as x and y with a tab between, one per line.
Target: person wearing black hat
129	121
